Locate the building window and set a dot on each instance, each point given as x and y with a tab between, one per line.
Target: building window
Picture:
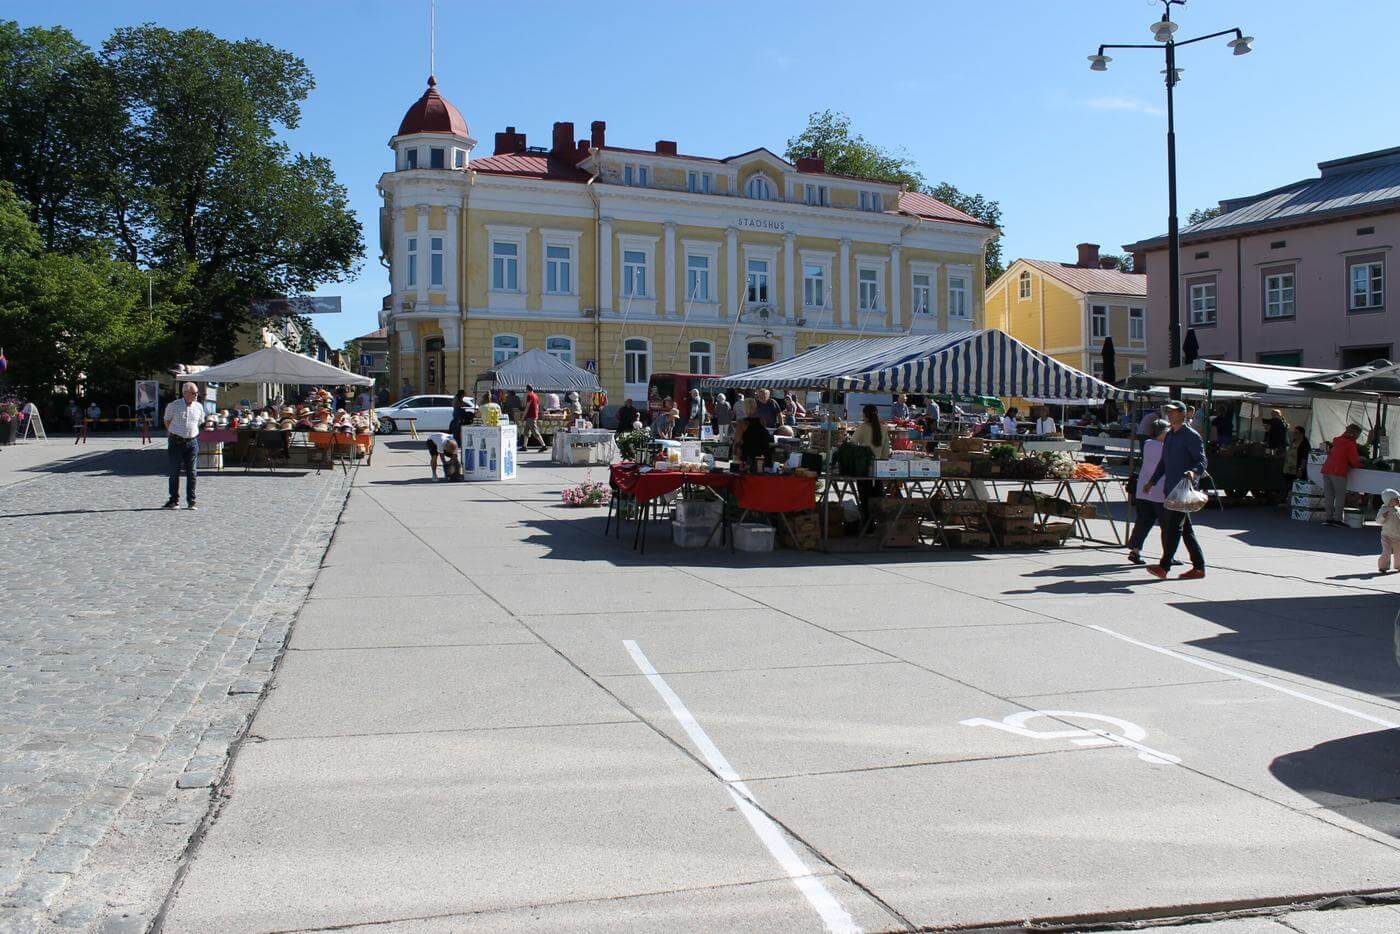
702	357
638	176
561	347
1136	367
923	293
637	361
1203	302
813	286
634	273
869	282
1096	367
1367	279
1137	325
871	201
437	158
697	278
412	261
1098	322
504	347
435	261
816	195
459	158
505	266
758	281
1278	295
702	183
759	188
1025	285
411	158
1284	358
957	298
559	270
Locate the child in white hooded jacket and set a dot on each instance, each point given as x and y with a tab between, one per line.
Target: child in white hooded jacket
1389	518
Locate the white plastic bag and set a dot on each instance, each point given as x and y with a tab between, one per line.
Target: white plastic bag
1184	497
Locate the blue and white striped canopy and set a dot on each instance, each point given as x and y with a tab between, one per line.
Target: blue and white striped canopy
984	363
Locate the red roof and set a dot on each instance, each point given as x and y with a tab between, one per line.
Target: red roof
921	205
530	165
432	113
1083	279
380	334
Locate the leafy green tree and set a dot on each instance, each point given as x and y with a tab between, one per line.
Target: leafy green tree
1123	262
828	136
1203	214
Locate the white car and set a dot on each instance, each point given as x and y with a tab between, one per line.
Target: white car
430	413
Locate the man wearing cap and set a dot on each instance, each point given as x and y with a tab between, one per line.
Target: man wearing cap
1183	456
183	417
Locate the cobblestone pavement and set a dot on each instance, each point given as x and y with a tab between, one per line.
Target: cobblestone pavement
134	644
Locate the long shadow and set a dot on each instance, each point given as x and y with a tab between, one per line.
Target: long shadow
1356	776
77	512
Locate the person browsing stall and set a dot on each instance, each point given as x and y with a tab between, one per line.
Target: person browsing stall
1295	456
770	413
183	416
1147	502
444	447
1343	458
1183	457
872	436
751	439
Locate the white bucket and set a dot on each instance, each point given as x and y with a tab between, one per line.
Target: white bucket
753	536
1353	518
690	536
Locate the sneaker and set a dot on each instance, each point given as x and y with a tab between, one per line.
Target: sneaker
1194	574
191	507
171	504
1135	558
1157	571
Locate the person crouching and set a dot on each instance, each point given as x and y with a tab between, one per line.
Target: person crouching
442	446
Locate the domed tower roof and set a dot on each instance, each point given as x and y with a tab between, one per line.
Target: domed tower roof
432	113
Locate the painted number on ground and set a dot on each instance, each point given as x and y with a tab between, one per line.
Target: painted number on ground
1123	733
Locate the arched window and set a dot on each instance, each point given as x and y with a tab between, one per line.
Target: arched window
637	361
702	357
760	353
561	347
503	347
759	188
1025	285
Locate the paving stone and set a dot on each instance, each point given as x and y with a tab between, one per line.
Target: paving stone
196	780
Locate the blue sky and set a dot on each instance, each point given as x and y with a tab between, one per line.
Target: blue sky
994	96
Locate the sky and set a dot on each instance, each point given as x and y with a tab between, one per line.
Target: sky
994	96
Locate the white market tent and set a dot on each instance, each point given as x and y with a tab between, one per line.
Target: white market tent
542	371
279	366
980	362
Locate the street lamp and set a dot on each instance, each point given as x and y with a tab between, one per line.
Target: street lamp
1164	39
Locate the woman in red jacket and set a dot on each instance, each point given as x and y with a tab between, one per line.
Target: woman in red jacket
1341	460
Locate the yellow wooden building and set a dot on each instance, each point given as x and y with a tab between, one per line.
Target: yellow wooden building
706	265
1067	309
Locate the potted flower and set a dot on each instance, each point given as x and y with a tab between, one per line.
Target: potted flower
588	493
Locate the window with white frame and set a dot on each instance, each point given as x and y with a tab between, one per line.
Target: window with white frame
759	188
505	266
1366	278
638	176
1025	286
813	285
816	195
435	261
1202	302
504	347
636	353
868	289
558	270
702	183
1279	294
871	201
561	347
697	277
1136	367
411	266
1137	325
702	357
758	281
459	158
634	273
958	305
1098	322
922	293
1096	367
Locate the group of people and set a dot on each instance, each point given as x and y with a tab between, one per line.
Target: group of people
1172	452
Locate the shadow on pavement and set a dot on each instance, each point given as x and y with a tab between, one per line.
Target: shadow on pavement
1268	528
1357	776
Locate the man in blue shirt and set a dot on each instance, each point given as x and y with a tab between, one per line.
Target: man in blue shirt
1183	455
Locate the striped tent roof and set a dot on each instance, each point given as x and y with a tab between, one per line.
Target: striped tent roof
985	363
542	371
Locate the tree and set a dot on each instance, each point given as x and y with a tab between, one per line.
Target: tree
1123	262
1203	214
828	136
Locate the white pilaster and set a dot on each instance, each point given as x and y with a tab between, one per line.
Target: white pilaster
896	316
605	255
449	258
405	331
845	261
397	261
668	267
789	277
734	275
451	332
424	254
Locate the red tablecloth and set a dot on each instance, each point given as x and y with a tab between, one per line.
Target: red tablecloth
775	494
645	487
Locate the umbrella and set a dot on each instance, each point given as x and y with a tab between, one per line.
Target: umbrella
1110	375
1190	348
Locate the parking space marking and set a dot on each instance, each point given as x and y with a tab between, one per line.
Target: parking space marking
1129	735
1202	663
836	919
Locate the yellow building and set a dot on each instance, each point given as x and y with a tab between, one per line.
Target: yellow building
637	261
1067	309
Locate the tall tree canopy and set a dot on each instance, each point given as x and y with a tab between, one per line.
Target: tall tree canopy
163	147
828	136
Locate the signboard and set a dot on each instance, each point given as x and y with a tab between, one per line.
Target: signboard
147	400
760	223
298	305
591	366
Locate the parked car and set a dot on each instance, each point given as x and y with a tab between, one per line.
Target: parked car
430	413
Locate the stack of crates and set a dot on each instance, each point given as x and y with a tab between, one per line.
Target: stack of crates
1305	501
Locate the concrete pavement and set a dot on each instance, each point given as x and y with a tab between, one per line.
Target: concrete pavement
461	738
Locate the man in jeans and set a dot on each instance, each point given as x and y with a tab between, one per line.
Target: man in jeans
1341	460
183	417
1147	503
1183	456
532	420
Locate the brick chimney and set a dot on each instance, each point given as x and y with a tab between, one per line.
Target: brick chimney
1088	255
597	134
667	147
509	142
562	143
583	150
1108	262
811	164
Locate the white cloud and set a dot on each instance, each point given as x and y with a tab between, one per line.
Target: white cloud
1123	103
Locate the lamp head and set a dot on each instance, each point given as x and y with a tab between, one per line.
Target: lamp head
1241	45
1099	62
1163	29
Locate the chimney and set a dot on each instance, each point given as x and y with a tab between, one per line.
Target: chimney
598	129
1108	262
582	151
1088	255
811	164
563	142
667	147
509	142
1140	263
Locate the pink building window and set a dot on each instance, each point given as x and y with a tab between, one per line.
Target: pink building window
1279	293
1366	282
1202	297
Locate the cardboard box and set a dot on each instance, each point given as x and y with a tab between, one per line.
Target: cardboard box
967	538
960	507
1307	515
1060	530
904	534
967	445
1004	527
923	467
1018	540
1011	510
951	467
890	468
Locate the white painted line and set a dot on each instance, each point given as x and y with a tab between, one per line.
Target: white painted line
1130	737
832	914
1272	686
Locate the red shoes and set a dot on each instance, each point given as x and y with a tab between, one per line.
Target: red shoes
1157	571
1194	574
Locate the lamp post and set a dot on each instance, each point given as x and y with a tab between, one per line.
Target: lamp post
1164	36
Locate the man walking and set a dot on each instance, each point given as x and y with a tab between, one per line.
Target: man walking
183	417
532	420
1183	456
1147	503
1341	460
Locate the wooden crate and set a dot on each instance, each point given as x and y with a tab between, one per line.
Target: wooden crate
1011	510
967	445
1004	527
967	538
1018	540
959	507
954	467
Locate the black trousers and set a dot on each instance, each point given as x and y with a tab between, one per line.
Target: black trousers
1149	513
1176	528
182	457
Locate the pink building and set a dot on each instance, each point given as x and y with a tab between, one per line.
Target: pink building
1295	276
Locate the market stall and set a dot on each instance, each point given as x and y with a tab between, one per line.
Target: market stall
546	373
